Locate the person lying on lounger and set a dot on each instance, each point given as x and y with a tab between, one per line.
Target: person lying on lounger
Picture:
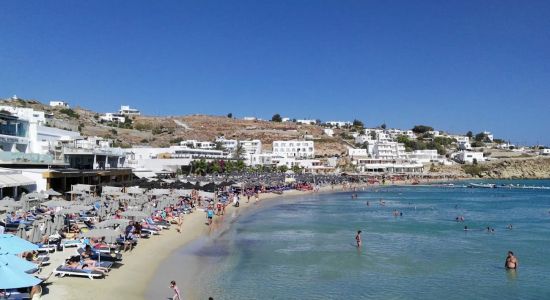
74	263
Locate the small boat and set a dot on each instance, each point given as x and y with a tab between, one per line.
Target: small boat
483	185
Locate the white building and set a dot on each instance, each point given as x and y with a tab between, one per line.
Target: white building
59	104
388	150
198	144
112	117
464	145
545	151
426	156
460	138
388	166
394	133
357	152
469	157
294	148
306	121
126	110
251	147
285	119
229	145
339	124
489	135
328	132
250	118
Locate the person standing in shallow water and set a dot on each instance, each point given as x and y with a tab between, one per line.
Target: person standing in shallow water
511	262
358	238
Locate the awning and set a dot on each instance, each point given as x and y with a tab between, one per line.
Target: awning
11	180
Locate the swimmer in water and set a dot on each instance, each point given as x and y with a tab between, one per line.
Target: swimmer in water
466	228
511	262
509	227
358	238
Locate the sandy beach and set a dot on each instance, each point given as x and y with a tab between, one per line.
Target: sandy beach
131	279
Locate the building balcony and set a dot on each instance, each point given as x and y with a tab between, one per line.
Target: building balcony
26	158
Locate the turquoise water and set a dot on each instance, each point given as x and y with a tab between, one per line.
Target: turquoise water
303	248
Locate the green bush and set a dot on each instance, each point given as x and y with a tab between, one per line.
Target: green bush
69	112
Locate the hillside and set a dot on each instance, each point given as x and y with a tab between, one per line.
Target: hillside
508	168
160	131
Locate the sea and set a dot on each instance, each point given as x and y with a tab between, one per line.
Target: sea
304	247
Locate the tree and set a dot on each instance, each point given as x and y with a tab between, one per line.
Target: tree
297	169
239	151
469	134
482	137
219	146
383	126
420	129
276	118
199	167
230	115
358	124
282	168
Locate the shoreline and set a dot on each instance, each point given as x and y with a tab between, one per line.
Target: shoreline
133	277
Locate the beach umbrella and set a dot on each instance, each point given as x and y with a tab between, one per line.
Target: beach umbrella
11	278
48	227
24	200
58	222
110	235
80	207
100	233
21	231
51	192
112	223
17	263
36	196
12	244
125	197
134	214
134	190
8	202
36	235
69	210
56	203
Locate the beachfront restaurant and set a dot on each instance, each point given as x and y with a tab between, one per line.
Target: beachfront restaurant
389	166
13	183
61	180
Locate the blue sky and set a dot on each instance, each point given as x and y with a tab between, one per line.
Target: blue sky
456	65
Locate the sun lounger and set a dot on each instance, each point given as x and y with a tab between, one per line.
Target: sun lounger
13	295
43	260
70	243
104	257
63	271
46	248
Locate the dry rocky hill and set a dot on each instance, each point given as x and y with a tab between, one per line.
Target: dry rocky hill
163	131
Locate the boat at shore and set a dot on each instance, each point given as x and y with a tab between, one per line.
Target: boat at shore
482	185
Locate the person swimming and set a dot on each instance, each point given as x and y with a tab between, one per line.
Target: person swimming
358	238
511	262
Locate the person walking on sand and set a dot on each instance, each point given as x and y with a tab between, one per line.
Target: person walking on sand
358	238
180	222
177	294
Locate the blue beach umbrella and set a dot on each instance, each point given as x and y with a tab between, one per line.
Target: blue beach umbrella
16	263
15	245
11	278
